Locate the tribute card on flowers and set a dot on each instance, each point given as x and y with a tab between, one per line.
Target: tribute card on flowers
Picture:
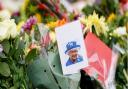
71	47
100	58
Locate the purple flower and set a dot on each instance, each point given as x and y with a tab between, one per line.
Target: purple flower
29	23
16	14
98	1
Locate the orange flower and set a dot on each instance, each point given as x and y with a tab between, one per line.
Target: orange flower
57	23
61	22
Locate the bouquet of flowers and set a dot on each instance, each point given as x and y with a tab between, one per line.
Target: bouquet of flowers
12	64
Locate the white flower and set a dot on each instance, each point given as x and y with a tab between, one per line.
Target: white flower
4	15
8	29
4	32
7	26
120	31
12	5
13	29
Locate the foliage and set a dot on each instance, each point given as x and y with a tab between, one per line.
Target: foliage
103	8
12	65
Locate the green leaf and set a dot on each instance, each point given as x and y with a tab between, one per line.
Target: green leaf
37	34
4	69
31	55
6	46
17	42
2	55
88	10
19	50
21	44
12	88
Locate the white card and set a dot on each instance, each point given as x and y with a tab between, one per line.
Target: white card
71	47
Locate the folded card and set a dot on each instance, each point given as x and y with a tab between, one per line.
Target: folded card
71	47
99	57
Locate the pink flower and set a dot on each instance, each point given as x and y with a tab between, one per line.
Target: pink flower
45	40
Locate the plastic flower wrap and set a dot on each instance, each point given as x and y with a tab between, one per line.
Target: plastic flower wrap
7	26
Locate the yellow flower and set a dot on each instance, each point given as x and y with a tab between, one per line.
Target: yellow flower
98	23
52	24
82	20
39	18
111	17
24	5
52	36
20	24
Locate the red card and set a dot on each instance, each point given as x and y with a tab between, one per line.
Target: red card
99	56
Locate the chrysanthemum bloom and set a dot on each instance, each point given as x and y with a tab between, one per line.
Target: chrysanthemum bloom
98	22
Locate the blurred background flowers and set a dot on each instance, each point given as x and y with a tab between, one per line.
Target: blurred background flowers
27	26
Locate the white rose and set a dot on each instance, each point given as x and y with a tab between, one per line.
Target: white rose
4	32
5	14
13	29
8	29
